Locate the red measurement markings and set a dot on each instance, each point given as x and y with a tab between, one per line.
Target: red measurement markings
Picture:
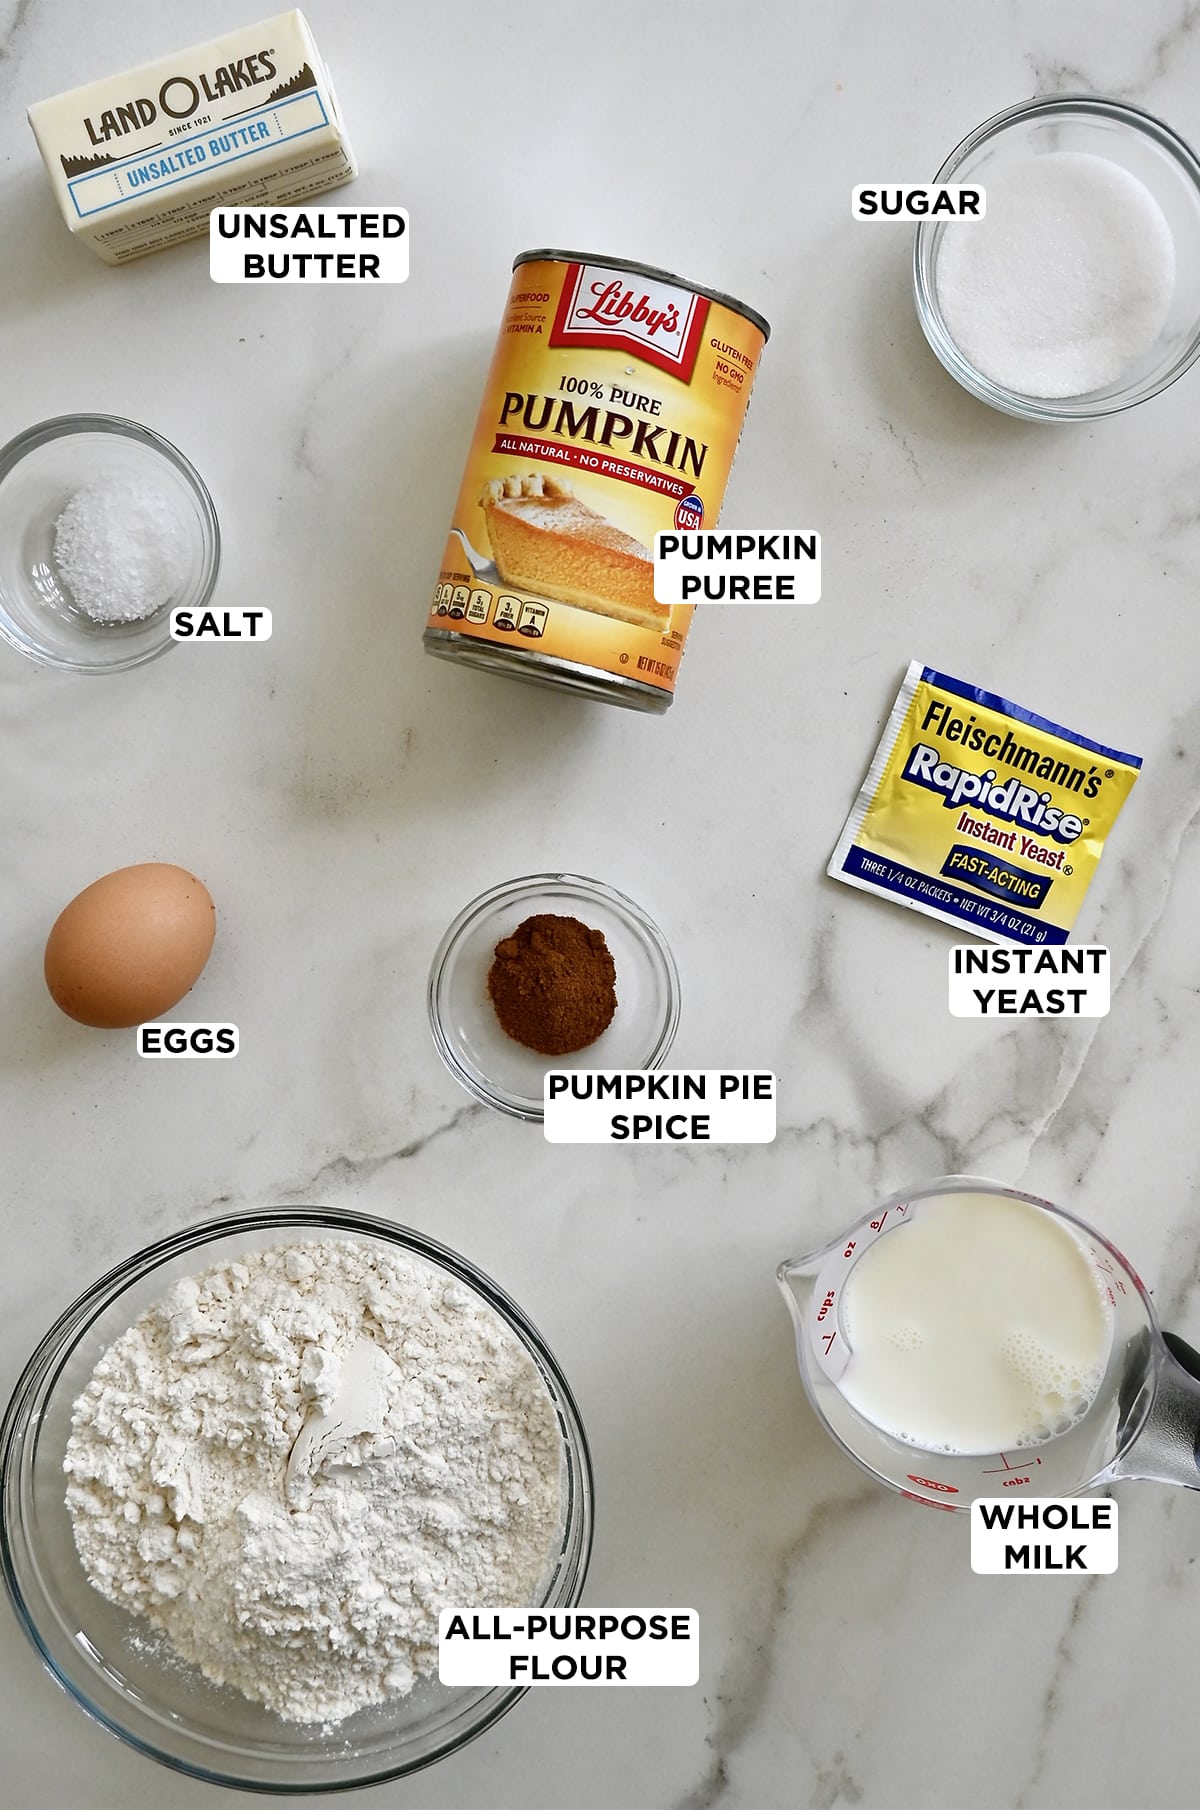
947	1507
945	1489
1109	1269
877	1224
849	1248
903	1209
1006	1466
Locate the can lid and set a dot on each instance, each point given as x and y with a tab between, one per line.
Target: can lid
547	255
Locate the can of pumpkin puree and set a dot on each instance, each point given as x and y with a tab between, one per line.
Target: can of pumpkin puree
612	410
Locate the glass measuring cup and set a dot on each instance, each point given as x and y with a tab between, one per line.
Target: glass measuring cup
1143	1422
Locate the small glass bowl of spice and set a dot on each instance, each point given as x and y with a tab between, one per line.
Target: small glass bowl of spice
549	971
1077	294
105	528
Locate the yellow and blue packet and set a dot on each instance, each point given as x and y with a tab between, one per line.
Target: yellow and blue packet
981	814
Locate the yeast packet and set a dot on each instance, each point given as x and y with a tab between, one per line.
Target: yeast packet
982	814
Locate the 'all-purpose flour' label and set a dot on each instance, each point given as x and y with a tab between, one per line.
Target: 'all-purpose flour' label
569	1646
138	160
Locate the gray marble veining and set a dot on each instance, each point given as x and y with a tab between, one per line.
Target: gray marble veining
343	797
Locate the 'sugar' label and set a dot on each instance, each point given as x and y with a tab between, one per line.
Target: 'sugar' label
669	1106
187	1040
918	201
220	625
768	565
1043	1536
568	1646
1070	980
308	245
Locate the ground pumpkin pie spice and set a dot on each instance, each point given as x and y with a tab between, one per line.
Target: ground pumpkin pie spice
553	984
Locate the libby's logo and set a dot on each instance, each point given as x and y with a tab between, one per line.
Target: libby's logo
616	304
657	321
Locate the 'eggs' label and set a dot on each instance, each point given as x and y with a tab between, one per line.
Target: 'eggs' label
187	1040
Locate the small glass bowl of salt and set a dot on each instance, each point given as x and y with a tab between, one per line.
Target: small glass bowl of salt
1077	294
105	528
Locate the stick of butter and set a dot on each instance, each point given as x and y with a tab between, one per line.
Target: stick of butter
139	160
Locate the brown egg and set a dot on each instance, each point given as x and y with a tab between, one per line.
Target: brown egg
130	946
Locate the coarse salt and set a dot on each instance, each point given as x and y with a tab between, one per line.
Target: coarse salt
122	549
1067	280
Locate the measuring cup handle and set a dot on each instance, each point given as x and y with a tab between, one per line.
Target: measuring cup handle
1167	1450
1183	1353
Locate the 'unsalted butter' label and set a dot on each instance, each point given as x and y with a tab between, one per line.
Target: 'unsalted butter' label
138	160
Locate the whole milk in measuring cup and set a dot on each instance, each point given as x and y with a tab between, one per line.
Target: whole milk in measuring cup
969	1323
966	1338
611	411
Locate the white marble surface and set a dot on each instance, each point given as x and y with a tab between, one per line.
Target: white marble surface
343	796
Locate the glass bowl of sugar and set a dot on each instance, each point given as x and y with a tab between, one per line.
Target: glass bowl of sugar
1077	293
105	528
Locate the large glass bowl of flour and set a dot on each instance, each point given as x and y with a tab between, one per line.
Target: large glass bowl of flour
1078	293
128	1677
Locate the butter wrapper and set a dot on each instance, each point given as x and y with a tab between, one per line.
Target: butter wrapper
981	814
139	160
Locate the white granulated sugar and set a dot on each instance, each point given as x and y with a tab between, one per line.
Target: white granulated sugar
315	1591
122	548
1065	282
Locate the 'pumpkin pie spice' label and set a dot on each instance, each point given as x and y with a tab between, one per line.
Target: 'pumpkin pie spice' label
612	411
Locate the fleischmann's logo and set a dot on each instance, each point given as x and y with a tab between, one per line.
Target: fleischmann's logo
1007	751
657	321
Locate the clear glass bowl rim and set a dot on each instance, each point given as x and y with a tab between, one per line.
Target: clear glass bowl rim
1012	402
40	1374
59	427
513	888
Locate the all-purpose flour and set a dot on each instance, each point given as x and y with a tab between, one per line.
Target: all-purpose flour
434	1481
